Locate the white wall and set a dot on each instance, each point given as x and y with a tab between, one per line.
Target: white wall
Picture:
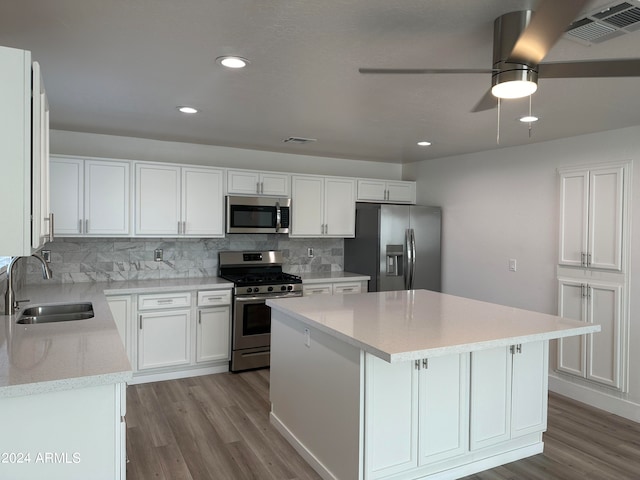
503	204
130	148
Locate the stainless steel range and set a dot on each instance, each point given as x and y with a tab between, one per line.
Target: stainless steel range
257	276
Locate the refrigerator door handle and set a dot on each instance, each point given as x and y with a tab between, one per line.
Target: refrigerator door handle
409	257
412	266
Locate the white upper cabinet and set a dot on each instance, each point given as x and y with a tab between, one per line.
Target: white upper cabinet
178	201
386	191
250	182
322	206
24	148
592	203
90	197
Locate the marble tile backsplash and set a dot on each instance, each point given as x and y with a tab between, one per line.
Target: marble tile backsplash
75	260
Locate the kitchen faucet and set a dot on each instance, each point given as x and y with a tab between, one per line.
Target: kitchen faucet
10	303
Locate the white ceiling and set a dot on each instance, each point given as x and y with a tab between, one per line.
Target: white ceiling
122	66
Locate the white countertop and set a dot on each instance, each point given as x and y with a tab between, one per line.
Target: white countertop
332	277
77	354
409	325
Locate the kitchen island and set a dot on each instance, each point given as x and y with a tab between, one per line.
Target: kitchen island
410	384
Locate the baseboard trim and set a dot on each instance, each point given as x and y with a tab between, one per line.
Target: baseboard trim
595	398
159	377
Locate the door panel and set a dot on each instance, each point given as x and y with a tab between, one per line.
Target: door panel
574	191
604	347
394	222
426	224
571	350
605	220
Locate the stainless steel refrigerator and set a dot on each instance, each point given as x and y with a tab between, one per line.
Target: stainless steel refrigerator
398	246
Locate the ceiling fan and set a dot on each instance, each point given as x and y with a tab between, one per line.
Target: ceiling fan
520	41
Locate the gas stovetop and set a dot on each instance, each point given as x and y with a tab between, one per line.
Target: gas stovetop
257	273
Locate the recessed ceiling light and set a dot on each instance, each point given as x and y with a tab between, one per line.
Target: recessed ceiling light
528	119
186	109
232	62
424	143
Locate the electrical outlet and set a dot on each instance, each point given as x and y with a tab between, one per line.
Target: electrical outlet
46	255
512	265
157	255
310	252
307	338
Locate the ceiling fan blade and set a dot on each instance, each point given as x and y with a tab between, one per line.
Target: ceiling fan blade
413	71
547	25
487	102
591	69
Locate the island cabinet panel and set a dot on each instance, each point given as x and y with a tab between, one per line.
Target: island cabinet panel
423	406
508	393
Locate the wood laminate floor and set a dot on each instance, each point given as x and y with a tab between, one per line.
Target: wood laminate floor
216	427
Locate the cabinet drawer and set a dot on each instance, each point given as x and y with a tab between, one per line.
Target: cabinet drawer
164	300
214	297
345	288
317	289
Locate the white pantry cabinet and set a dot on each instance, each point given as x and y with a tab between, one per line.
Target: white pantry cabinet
24	150
598	357
416	413
90	197
508	393
178	201
381	191
592	204
322	206
252	182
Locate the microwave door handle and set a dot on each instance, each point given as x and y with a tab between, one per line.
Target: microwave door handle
278	217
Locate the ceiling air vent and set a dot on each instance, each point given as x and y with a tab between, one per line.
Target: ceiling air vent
299	140
617	19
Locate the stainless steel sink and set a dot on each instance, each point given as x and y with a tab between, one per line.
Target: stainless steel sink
56	313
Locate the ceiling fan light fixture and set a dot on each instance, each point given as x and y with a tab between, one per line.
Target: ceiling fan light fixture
514	89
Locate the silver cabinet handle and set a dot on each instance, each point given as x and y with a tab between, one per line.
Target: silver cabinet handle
179	228
80	226
257	187
51	225
140	322
588	259
165	301
583	259
184	227
326	229
200	317
425	363
261	187
86	226
416	364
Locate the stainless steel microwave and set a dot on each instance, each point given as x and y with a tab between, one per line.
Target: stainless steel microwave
258	214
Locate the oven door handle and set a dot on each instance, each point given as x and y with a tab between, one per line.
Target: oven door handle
244	299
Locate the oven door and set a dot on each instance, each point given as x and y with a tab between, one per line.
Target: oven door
252	320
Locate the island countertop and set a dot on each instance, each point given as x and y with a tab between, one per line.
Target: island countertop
412	324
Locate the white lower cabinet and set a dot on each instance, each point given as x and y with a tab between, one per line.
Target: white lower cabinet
67	435
343	288
164	339
213	334
508	393
423	406
595	357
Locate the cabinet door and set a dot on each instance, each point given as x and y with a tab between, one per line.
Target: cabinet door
401	192
243	182
106	198
39	161
372	190
605	218
339	207
66	176
444	408
213	338
275	184
574	194
164	339
307	216
571	304
157	199
529	389
391	417
603	349
203	200
490	397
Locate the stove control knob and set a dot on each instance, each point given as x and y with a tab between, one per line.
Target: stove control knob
270	289
248	290
289	287
256	290
283	287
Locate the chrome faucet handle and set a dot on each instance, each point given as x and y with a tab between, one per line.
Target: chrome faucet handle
17	303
